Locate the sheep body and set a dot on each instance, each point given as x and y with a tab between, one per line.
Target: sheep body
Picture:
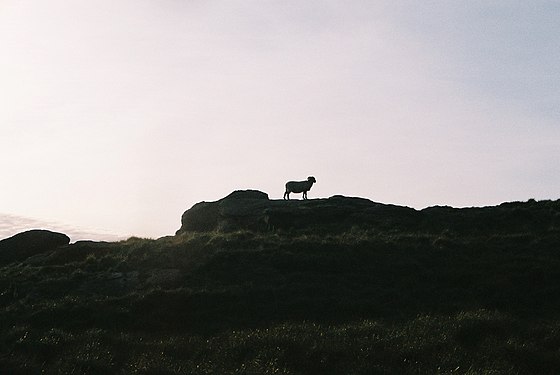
299	187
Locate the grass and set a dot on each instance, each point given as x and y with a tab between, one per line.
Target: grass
365	301
468	343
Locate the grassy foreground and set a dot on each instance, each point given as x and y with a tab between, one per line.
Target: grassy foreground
359	302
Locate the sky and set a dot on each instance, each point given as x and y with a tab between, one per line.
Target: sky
118	115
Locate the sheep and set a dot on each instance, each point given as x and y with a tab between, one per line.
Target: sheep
299	187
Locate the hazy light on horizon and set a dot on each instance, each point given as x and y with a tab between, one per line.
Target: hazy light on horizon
13	224
123	114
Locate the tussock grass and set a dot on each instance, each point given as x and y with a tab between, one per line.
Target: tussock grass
359	302
471	342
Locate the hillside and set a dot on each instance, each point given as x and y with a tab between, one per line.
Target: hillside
250	285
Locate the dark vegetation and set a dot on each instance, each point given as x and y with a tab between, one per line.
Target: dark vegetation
436	291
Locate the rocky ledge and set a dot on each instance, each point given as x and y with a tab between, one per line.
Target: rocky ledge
253	210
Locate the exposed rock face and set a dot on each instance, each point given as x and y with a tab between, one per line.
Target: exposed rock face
26	244
252	210
238	210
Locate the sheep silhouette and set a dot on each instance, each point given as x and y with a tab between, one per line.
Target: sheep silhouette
299	187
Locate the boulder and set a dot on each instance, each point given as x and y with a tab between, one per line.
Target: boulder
238	210
26	244
246	194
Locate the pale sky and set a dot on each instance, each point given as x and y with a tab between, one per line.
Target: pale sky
118	115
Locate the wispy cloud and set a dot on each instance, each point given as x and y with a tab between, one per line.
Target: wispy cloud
13	224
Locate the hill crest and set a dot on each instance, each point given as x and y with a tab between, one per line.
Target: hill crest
253	210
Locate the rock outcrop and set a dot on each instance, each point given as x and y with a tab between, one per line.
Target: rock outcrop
26	244
252	210
240	209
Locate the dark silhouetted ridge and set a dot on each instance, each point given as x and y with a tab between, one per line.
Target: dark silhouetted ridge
252	210
251	285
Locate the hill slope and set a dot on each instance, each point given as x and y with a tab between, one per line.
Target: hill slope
341	285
